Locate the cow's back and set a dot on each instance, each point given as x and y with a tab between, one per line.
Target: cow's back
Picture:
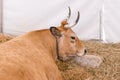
22	60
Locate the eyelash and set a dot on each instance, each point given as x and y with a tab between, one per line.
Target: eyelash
72	37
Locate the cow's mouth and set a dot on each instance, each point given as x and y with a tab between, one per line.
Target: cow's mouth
68	58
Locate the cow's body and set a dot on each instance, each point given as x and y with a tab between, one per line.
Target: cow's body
29	57
32	56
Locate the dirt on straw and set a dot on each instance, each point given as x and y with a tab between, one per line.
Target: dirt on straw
108	70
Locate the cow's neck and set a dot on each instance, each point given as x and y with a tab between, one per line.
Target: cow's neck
46	41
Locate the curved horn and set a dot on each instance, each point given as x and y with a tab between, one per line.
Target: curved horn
65	21
69	14
76	19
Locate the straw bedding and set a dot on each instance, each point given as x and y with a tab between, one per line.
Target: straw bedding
108	70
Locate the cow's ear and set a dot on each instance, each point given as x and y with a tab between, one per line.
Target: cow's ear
55	31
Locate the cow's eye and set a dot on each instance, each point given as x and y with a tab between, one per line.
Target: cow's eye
72	37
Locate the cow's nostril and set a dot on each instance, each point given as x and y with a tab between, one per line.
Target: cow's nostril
85	51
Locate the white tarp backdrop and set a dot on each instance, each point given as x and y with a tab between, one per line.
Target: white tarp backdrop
0	15
25	15
20	16
111	20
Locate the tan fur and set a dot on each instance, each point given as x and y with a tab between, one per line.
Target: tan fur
32	56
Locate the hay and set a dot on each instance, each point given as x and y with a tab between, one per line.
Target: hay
108	70
4	38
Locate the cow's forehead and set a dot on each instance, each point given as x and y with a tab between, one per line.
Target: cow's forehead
69	32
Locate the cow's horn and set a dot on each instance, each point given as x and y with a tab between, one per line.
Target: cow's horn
76	19
65	21
69	14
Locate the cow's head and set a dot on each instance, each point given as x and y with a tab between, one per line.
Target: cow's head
68	44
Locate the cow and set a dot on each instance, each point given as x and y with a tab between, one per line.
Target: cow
33	55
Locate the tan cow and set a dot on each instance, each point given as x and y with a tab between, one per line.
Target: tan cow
32	56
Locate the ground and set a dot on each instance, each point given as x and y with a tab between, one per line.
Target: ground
108	70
